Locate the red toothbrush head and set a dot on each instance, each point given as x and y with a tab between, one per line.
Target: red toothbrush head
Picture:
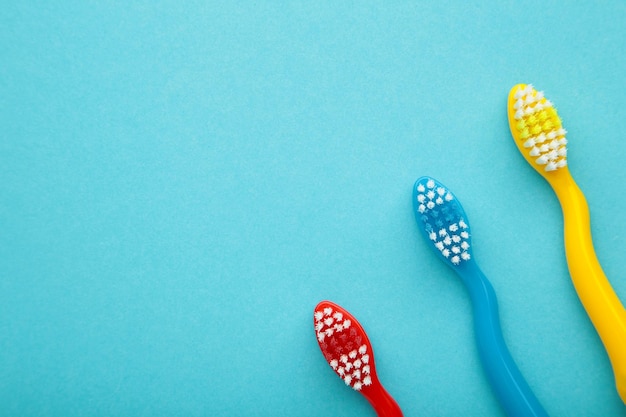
345	345
348	351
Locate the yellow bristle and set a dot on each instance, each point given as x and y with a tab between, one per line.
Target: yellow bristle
524	134
552	114
548	126
542	116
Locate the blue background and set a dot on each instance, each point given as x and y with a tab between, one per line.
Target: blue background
181	183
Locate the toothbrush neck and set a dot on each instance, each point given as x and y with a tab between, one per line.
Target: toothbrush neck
473	279
569	194
382	402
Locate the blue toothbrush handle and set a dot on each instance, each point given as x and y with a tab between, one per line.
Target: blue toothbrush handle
506	380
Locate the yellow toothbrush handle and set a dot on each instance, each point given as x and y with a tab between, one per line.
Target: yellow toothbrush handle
594	290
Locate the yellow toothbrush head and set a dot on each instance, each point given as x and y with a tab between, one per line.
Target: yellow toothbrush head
537	130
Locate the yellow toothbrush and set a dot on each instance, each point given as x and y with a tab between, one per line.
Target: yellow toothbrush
540	137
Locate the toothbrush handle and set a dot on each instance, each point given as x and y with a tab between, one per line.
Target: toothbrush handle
382	402
506	380
594	290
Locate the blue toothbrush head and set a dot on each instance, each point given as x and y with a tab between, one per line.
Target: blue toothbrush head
442	221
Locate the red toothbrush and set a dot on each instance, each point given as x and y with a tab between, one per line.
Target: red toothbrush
348	351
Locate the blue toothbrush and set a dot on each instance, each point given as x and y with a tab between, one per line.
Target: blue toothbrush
442	221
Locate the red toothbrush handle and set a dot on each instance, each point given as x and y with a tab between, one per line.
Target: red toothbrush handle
383	403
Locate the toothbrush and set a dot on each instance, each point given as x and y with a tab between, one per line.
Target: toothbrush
540	137
443	223
348	351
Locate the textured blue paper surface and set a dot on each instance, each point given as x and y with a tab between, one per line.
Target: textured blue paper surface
182	182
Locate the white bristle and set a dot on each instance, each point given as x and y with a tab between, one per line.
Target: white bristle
366	369
346	324
348	379
449	197
421	198
445	253
352	354
465	246
561	163
552	155
338	316
439	245
420	188
456	239
443	232
464	235
328	311
363	349
563	151
441	191
357	386
439	200
430	194
465	256
455	260
421	208
319	315
430	205
367	380
432	236
430	184
551	135
551	166
541	138
334	363
544	148
456	249
453	227
534	152
447	241
357	363
462	224
349	366
542	160
529	143
518	104
519	114
365	359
